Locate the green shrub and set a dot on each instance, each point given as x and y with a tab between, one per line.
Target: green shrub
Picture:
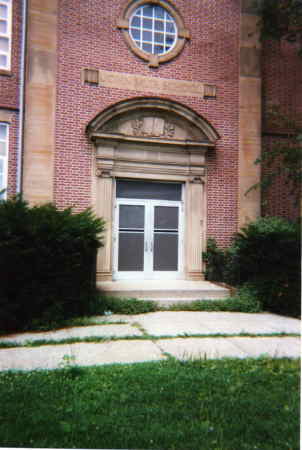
266	254
126	305
47	263
215	260
245	300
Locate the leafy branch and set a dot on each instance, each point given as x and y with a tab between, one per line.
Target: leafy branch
281	19
284	157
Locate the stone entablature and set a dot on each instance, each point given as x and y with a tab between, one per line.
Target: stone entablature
138	160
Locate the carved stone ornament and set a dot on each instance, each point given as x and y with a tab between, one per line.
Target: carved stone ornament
169	129
153	127
197	180
103	173
137	127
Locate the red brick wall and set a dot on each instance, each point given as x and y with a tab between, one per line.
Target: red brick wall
88	37
12	155
282	86
9	93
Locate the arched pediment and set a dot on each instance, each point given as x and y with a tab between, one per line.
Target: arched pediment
153	120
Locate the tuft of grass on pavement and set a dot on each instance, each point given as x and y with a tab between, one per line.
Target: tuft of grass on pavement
206	404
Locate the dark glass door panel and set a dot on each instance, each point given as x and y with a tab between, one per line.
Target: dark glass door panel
165	252
131	252
132	217
165	248
165	218
131	238
148	190
152	245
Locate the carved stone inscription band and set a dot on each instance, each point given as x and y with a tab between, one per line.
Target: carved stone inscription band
153	127
143	83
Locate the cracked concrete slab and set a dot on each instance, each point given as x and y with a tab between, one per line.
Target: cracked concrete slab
175	323
239	347
168	323
200	348
117	352
46	357
106	331
82	354
275	347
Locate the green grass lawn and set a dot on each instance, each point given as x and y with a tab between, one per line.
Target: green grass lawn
218	405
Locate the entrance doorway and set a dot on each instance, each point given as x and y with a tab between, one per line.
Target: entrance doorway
148	233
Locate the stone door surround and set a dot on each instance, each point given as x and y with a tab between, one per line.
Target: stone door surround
149	138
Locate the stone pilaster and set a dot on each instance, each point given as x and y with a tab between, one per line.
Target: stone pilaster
250	114
105	210
39	130
194	229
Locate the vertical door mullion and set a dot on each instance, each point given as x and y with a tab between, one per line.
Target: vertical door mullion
115	236
148	233
152	206
146	245
179	236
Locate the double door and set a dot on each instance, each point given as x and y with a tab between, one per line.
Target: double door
148	239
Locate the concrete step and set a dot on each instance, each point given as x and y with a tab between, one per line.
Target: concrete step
165	292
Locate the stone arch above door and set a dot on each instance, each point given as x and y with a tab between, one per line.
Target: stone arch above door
152	120
152	139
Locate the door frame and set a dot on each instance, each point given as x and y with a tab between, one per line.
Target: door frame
148	273
156	139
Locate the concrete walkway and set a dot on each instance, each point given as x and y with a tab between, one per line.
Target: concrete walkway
156	336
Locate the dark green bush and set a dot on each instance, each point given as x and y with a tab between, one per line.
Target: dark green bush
245	300
266	255
47	263
215	260
126	305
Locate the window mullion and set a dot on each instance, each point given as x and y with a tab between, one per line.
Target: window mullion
7	35
153	32
153	26
141	29
165	29
4	160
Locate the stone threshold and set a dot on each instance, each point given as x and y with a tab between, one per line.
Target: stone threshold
164	291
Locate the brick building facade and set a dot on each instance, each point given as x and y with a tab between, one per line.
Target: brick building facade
96	109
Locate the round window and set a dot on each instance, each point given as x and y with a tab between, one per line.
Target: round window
153	29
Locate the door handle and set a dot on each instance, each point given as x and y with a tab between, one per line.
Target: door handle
149	247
